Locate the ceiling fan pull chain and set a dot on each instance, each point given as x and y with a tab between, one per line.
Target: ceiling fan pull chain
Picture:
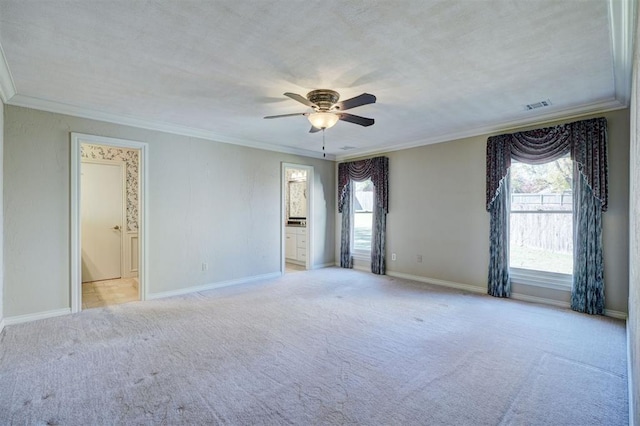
324	154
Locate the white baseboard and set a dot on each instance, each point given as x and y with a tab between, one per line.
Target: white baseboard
616	314
443	283
324	265
526	298
630	373
542	300
212	286
18	319
483	290
364	268
1	325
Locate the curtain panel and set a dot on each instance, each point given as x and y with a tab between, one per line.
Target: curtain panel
346	261
586	141
377	169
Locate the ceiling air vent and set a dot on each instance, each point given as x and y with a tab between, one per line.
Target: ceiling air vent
537	105
347	148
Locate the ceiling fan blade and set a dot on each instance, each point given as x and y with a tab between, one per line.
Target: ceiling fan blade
286	115
313	130
301	99
356	119
364	99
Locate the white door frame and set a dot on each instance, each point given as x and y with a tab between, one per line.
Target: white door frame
123	194
310	215
76	253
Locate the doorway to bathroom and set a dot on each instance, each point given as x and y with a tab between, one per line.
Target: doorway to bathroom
108	212
297	218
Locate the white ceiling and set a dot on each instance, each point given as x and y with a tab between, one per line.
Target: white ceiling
440	69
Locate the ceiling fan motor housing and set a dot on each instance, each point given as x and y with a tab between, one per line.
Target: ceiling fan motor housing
324	98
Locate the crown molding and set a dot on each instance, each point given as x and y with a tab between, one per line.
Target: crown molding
622	16
503	127
60	108
124	120
7	87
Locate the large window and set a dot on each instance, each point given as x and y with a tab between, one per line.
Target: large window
362	216
541	219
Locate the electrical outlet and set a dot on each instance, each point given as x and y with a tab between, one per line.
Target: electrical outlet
419	258
393	256
204	266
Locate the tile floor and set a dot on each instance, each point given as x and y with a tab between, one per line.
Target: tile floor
109	292
292	267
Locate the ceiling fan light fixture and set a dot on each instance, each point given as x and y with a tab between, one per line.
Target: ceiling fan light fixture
323	120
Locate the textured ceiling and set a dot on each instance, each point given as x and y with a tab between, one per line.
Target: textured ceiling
440	69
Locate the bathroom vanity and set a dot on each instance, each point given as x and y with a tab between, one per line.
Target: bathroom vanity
295	247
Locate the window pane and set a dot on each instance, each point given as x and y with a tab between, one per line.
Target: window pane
362	215
542	242
541	220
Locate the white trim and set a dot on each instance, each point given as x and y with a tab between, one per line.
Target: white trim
310	214
443	283
76	111
552	280
361	255
325	265
482	290
1	325
7	85
18	319
129	270
630	378
56	107
359	266
616	314
566	114
622	15
541	300
76	236
212	286
143	197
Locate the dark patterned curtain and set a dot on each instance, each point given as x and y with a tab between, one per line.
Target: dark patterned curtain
346	261
586	141
378	170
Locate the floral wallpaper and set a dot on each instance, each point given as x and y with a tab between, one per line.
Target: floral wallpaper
296	196
130	158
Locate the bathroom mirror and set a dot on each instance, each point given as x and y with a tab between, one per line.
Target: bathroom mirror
298	199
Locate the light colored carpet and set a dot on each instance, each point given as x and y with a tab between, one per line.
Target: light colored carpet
328	346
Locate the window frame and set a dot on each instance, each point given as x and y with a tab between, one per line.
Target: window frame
359	254
534	277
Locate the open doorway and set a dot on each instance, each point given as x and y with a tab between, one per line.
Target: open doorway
108	221
297	217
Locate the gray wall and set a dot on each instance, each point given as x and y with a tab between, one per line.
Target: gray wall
633	323
208	202
437	210
1	215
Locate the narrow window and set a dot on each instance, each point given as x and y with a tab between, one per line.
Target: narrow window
362	216
541	219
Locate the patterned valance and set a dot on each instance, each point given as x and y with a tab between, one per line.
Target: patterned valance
586	141
375	168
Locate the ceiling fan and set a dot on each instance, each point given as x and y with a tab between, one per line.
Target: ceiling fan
327	110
